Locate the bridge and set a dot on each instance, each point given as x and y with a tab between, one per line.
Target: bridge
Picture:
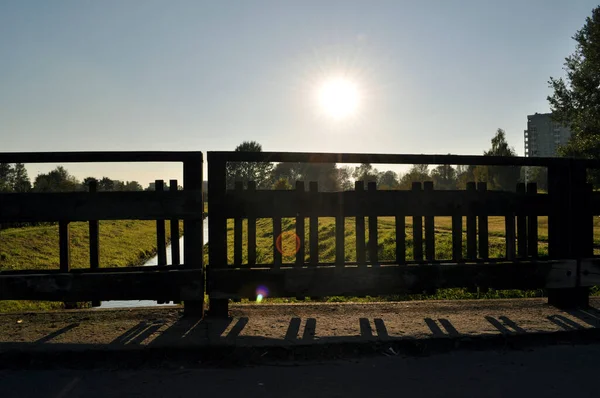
566	272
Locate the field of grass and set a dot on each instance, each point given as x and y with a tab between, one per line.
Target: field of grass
122	243
386	248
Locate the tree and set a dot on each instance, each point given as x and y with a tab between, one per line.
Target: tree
444	177
388	180
365	172
576	99
21	181
282	184
500	177
57	180
249	171
417	173
345	178
133	186
6	177
106	184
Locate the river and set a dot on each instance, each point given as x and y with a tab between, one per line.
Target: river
152	261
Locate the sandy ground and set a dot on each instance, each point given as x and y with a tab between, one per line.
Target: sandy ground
289	324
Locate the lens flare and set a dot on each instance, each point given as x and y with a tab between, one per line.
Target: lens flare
261	293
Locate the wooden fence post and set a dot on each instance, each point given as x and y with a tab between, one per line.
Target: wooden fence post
429	226
373	232
175	254
94	233
471	227
361	256
301	252
417	228
193	241
314	226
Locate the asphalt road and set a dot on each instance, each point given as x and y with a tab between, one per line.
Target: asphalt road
557	371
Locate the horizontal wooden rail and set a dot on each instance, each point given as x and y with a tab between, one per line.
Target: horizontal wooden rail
94	157
84	206
304	157
266	204
383	280
105	285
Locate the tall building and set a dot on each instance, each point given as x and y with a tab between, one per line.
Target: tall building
543	136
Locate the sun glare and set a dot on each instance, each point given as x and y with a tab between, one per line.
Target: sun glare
339	98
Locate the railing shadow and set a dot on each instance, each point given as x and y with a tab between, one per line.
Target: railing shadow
450	330
590	316
56	333
505	325
138	333
565	323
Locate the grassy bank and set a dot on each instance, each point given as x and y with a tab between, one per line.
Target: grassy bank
122	243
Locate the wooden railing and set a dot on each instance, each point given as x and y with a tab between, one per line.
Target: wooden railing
174	283
569	206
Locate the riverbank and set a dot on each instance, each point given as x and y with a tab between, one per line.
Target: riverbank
122	243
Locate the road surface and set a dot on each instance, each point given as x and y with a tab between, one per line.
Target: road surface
556	371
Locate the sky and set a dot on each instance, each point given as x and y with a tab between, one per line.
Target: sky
431	76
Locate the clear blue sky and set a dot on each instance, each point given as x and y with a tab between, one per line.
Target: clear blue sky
434	76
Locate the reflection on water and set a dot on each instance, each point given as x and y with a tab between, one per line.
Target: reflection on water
152	261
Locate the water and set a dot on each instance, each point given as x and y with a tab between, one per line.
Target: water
152	261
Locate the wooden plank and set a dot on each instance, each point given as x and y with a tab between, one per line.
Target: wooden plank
314	228
361	255
94	233
64	243
400	239
98	157
300	253
217	219
80	206
101	285
277	241
251	228
308	157
471	227
161	238
339	241
532	225
193	229
482	220
429	225
417	229
509	226
281	203
457	238
361	281
588	224
175	253
94	236
521	226
373	232
237	232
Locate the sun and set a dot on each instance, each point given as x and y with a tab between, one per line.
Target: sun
339	98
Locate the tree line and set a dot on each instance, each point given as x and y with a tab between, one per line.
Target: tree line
331	177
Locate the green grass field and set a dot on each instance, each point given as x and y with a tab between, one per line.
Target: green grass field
122	243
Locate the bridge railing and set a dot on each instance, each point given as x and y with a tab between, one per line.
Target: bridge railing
109	283
569	206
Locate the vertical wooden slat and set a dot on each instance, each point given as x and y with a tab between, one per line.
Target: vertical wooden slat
457	238
373	235
339	240
361	256
400	239
314	227
471	227
94	232
251	228
300	254
161	238
509	226
237	230
64	243
521	225
277	238
193	228
417	229
532	225
483	226
175	254
429	226
588	223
